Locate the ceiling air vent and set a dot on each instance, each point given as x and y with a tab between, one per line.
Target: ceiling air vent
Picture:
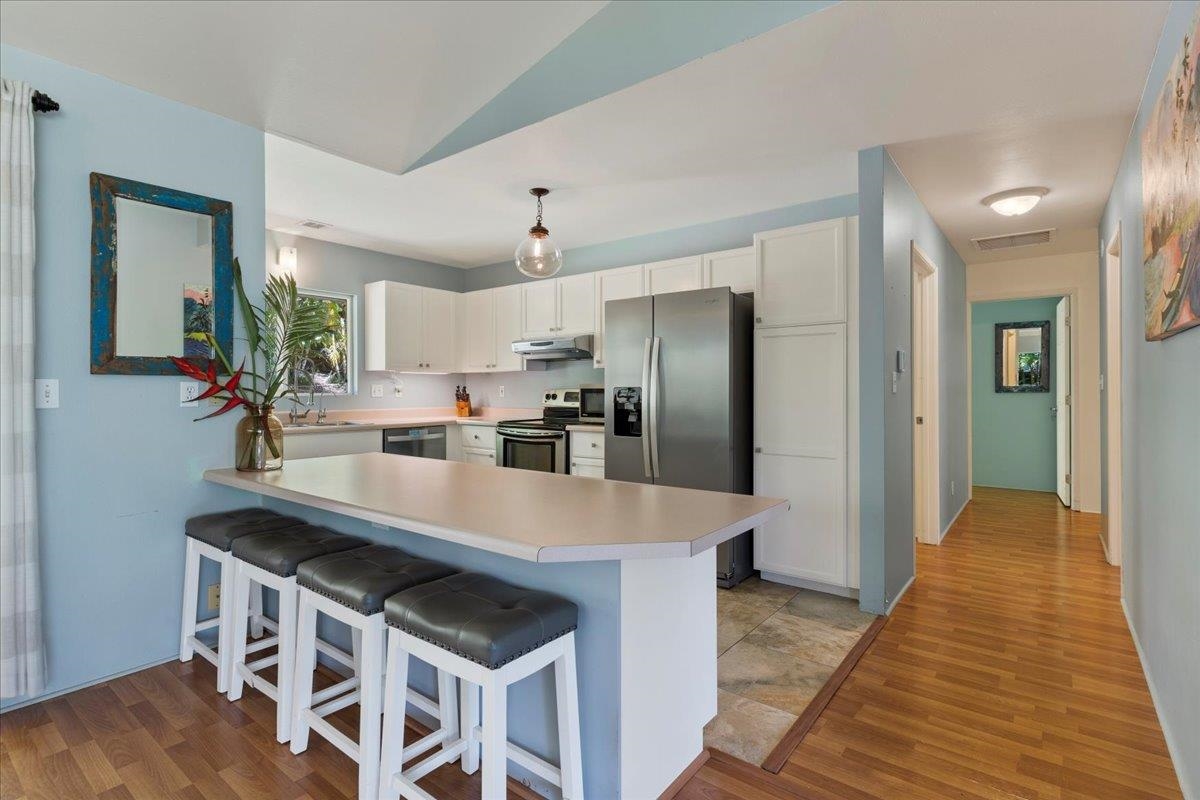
1015	240
312	224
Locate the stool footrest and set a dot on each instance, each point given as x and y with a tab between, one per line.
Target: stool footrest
333	691
335	705
336	653
335	737
204	651
258	681
424	703
408	778
207	624
262	644
423	745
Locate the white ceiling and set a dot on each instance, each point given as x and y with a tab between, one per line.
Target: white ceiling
378	82
983	96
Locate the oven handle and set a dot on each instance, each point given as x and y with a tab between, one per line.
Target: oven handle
539	437
645	391
652	417
392	439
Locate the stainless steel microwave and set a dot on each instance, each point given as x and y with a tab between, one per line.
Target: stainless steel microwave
591	403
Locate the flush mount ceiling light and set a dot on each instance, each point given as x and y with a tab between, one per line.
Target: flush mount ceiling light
538	256
1015	202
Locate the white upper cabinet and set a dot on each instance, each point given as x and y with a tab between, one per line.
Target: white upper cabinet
801	274
409	328
506	302
478	331
614	284
676	275
732	268
559	305
577	303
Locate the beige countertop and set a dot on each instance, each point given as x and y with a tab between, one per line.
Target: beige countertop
535	516
587	427
378	419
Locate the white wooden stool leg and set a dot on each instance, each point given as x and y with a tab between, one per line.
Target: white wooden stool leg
306	662
395	705
237	653
469	704
191	590
288	597
370	702
256	612
495	739
225	632
448	707
567	689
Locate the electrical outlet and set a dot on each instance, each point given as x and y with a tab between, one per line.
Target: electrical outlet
45	393
188	392
376	390
398	389
501	391
214	596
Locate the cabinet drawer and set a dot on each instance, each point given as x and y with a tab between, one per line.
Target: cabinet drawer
587	467
587	445
478	437
475	456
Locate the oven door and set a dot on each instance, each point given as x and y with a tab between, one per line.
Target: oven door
539	450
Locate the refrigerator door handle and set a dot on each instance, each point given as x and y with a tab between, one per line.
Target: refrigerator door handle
652	416
645	388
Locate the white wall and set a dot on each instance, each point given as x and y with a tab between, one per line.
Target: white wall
1059	275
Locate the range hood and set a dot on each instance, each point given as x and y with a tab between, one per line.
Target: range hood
554	348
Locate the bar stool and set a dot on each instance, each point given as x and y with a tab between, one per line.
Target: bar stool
270	560
350	587
489	634
211	536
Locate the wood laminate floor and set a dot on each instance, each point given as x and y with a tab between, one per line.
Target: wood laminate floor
1007	671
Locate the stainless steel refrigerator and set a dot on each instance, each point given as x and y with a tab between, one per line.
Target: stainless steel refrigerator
677	381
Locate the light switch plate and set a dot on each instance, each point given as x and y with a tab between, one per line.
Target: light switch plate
188	392
398	389
376	390
501	391
45	393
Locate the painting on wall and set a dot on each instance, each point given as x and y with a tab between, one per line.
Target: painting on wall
197	320
1171	197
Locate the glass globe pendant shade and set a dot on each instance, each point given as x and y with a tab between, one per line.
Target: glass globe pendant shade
538	256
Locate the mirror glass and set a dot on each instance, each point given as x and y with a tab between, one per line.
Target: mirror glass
1022	357
164	280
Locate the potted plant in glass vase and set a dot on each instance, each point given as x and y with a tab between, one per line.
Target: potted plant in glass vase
277	335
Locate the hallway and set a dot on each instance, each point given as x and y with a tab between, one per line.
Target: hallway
1006	671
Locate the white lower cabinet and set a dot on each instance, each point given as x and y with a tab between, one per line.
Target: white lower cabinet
587	467
478	437
332	443
486	457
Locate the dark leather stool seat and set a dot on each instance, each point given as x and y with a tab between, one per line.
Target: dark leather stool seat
363	578
280	552
481	618
220	529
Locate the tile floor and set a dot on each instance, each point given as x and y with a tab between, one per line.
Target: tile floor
776	646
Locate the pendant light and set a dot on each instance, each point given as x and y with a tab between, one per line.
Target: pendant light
538	256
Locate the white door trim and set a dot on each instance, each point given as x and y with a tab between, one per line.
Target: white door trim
1112	392
926	356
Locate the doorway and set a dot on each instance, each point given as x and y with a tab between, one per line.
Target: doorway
1062	400
1112	397
926	469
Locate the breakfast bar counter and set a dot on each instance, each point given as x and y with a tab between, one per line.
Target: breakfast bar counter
639	561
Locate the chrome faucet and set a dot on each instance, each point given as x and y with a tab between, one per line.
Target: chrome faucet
298	369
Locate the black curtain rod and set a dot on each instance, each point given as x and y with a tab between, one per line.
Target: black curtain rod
44	103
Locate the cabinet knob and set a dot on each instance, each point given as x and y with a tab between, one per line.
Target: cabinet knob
758	319
595	445
758	449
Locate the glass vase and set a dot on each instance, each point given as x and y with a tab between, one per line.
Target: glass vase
259	440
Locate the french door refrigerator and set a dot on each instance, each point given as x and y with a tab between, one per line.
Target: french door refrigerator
677	382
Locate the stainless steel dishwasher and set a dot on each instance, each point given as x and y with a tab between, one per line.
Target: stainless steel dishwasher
425	441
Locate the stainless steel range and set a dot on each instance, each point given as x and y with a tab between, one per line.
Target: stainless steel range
540	444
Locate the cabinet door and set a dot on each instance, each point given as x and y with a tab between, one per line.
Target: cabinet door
614	284
577	303
587	467
393	326
506	301
809	540
487	457
801	274
437	330
732	268
676	275
540	313
478	330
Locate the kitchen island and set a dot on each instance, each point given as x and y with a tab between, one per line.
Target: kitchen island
638	559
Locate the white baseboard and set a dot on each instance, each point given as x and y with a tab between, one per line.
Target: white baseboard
954	519
60	692
816	586
1108	559
888	611
1176	755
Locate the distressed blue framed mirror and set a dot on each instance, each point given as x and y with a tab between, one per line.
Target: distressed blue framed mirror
162	277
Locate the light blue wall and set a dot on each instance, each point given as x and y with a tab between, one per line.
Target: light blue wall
623	44
1012	433
891	219
707	237
112	538
1160	467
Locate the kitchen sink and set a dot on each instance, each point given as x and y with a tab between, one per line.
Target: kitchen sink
337	423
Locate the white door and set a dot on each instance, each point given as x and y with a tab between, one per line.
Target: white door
437	329
1062	397
676	275
506	300
479	331
801	274
540	307
577	303
732	268
614	284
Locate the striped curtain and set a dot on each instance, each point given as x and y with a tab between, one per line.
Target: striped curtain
22	659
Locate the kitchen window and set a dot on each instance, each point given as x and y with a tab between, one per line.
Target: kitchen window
329	365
